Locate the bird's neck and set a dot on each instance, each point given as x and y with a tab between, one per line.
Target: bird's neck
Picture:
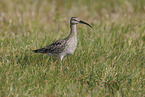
73	32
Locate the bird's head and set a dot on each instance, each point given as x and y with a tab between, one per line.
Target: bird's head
75	20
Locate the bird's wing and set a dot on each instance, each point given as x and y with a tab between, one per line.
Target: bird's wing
56	47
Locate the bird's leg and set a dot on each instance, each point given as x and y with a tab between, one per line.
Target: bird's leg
61	57
60	65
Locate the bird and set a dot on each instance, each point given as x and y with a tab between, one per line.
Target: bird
66	46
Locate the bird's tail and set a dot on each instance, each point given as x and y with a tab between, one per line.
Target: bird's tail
42	50
35	51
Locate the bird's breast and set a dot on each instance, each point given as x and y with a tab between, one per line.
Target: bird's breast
71	45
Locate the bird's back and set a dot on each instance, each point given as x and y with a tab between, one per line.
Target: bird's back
54	48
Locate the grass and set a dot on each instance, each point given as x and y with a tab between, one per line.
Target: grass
109	60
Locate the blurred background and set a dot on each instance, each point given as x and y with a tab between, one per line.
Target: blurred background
46	14
50	11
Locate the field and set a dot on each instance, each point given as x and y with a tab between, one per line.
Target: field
109	60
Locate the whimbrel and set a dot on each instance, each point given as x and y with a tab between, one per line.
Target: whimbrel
66	46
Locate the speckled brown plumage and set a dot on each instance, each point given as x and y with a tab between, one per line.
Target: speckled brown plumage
54	48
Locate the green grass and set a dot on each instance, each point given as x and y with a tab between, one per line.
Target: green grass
108	61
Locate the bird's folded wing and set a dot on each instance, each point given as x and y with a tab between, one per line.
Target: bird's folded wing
56	47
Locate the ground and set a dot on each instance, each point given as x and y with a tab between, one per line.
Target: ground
109	59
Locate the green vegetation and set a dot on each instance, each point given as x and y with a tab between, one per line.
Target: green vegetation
109	60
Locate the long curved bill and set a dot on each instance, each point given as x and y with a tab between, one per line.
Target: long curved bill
85	23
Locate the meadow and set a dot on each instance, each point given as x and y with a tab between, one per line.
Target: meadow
109	60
